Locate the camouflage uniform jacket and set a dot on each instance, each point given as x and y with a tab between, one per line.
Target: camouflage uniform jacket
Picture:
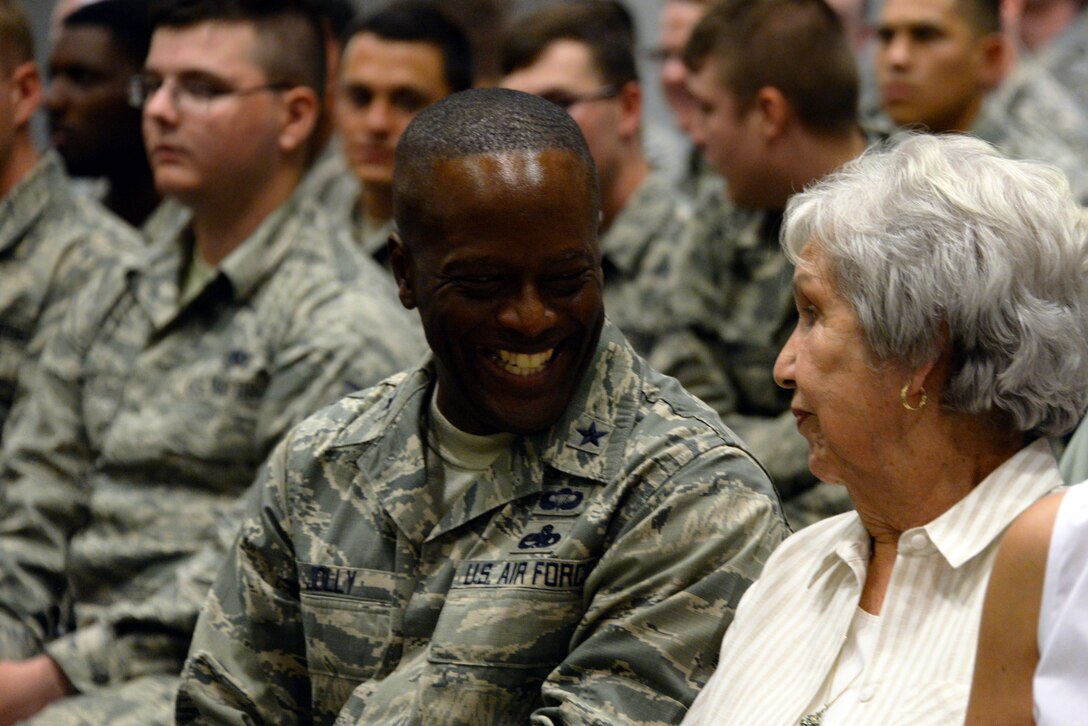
1032	116
586	578
638	250
150	416
51	243
732	300
1066	58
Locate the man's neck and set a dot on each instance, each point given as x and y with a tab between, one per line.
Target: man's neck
630	175
20	162
377	201
221	225
812	157
816	156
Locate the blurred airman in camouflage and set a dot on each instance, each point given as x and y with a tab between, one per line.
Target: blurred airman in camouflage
949	66
1054	34
396	62
581	57
533	526
50	241
769	127
172	377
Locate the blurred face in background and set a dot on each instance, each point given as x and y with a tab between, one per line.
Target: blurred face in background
566	74
933	66
383	85
90	120
678	19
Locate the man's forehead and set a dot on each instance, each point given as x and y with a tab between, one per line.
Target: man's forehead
921	12
210	46
93	45
563	62
518	168
403	62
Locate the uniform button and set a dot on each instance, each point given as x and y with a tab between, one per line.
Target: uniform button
866	694
919	542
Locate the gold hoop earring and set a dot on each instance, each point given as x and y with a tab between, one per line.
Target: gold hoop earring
906	403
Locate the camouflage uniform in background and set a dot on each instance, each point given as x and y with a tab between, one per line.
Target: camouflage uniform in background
586	578
733	303
150	416
1032	116
334	186
51	243
637	252
1066	58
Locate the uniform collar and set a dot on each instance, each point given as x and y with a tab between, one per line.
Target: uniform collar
387	442
239	276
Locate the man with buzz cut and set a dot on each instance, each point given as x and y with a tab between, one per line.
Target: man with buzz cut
581	57
397	61
51	242
949	66
173	376
531	527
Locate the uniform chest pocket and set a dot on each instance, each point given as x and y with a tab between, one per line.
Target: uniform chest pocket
349	617
515	614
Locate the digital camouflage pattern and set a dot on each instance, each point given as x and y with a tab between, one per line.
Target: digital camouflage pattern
1066	58
51	243
1033	116
733	303
586	578
149	418
637	258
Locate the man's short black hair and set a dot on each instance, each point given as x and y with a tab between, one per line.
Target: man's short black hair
424	22
291	46
604	26
128	21
478	122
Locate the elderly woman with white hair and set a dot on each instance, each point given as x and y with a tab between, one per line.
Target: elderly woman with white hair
943	334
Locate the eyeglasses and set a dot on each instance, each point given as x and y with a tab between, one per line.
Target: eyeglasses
191	94
565	100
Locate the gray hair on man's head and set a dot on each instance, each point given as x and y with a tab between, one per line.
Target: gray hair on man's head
942	236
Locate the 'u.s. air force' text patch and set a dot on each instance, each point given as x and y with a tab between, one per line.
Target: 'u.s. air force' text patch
539	574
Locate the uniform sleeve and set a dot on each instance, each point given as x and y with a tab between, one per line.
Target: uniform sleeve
663	594
247	663
44	499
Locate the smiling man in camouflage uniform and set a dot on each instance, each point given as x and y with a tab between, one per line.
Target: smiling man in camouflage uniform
172	378
533	526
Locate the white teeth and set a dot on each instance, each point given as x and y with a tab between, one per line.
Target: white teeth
522	364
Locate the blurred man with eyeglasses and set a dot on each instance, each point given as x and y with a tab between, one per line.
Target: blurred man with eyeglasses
581	57
396	62
172	377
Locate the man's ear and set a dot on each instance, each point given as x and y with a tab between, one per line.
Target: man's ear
26	92
300	113
997	58
630	97
773	112
403	264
